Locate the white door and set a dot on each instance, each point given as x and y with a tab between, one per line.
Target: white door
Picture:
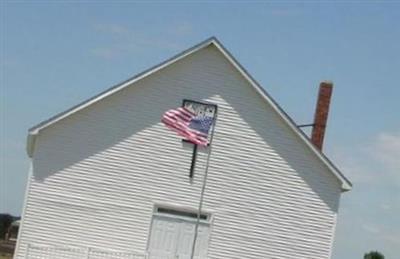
185	240
164	235
172	238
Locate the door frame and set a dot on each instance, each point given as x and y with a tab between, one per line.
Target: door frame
179	208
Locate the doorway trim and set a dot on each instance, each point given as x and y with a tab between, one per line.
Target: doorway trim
208	220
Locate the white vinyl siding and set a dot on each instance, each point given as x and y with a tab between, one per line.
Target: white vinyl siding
98	173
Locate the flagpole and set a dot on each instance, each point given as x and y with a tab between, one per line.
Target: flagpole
203	188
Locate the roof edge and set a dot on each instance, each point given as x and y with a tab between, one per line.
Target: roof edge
346	184
34	131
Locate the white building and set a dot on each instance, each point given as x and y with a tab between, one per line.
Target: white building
107	175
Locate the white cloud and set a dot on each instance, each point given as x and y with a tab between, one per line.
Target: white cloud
371	229
182	29
381	233
106	52
386	149
385	206
371	209
375	161
112	29
392	238
122	41
352	162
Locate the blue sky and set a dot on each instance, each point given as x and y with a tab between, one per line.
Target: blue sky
56	55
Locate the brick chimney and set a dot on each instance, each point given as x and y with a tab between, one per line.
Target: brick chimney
321	114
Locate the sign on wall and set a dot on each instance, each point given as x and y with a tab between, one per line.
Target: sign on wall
204	115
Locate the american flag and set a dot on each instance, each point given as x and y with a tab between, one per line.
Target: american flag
186	124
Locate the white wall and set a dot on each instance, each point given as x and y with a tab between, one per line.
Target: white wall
98	173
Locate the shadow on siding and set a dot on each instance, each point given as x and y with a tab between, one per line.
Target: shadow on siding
98	132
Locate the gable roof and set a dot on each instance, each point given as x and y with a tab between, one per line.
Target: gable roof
34	131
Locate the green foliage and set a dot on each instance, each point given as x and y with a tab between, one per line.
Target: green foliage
5	222
374	255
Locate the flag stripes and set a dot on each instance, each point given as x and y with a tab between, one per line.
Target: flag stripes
179	120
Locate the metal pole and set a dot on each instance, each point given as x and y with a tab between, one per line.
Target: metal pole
202	190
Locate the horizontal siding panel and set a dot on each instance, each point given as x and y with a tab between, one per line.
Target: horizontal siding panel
98	173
